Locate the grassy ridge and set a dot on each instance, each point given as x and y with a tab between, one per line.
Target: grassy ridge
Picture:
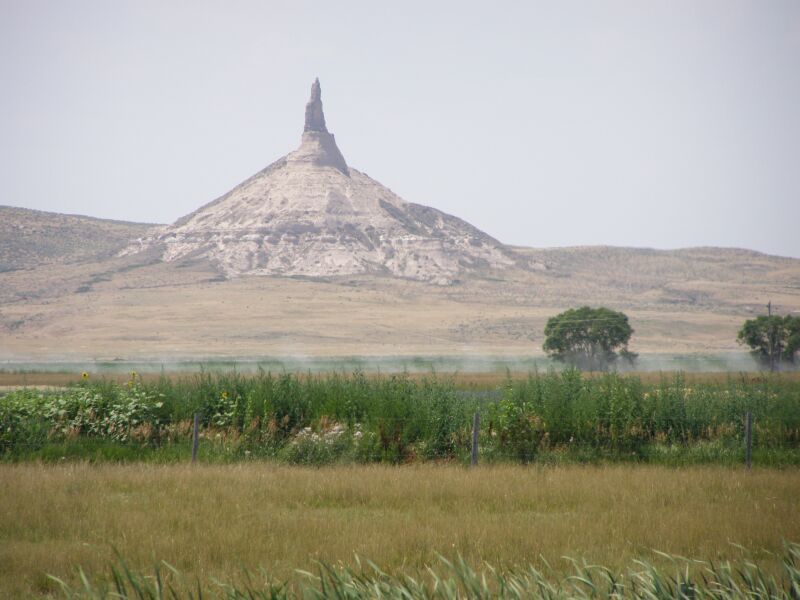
210	521
355	418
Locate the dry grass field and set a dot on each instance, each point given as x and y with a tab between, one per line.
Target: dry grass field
211	520
688	301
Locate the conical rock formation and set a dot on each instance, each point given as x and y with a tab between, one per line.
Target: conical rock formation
309	214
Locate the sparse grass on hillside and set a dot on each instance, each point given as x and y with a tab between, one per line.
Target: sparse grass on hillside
692	309
214	520
30	238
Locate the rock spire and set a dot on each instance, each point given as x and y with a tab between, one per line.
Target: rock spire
315	118
310	215
318	146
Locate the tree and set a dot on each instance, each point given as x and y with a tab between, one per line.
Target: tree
588	338
772	339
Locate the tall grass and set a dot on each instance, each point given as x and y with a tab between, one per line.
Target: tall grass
688	579
355	418
622	414
209	521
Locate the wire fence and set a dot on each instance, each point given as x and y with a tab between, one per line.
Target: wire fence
340	444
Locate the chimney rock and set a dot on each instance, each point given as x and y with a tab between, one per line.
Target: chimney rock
315	118
317	145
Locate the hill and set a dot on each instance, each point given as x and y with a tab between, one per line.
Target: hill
310	214
685	301
29	238
310	257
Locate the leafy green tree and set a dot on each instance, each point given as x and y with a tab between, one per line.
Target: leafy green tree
588	338
772	339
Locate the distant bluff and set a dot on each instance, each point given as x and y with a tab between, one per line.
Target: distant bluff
310	214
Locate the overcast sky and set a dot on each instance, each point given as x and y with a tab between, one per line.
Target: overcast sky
658	124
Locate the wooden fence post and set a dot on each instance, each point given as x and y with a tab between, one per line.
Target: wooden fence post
748	439
476	427
195	436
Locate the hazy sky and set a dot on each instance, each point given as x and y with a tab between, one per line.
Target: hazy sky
636	123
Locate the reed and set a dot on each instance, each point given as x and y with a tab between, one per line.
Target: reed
688	579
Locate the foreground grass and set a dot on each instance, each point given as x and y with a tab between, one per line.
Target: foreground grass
213	521
683	579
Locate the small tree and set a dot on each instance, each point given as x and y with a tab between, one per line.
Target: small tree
588	338
772	339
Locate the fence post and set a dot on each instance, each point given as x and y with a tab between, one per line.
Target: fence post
748	439
476	427
195	436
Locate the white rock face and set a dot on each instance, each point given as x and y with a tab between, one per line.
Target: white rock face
310	214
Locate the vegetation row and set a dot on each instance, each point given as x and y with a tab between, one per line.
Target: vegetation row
554	416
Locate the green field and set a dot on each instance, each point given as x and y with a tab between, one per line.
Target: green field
550	418
321	473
